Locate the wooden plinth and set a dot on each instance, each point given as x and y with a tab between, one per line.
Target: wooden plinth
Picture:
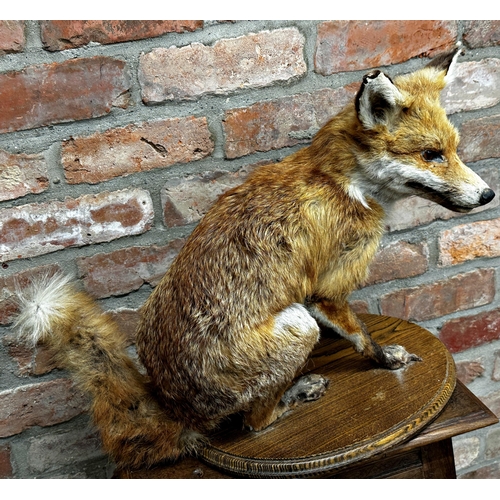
371	423
366	409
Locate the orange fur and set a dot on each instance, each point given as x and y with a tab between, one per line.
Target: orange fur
235	317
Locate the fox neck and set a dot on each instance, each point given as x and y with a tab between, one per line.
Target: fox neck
339	152
363	186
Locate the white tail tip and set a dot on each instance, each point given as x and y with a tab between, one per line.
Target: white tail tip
39	304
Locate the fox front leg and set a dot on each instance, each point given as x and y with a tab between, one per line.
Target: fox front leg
341	319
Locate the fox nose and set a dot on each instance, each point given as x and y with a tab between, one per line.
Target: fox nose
486	196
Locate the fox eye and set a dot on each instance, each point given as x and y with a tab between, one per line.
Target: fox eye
432	156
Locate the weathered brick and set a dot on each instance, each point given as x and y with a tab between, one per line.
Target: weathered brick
415	211
457	293
282	122
187	199
12	37
480	139
127	320
398	260
467	371
354	45
469	241
492	401
476	85
8	289
21	174
460	334
492	449
250	61
482	33
466	450
135	148
5	462
53	451
491	471
359	306
125	270
61	35
43	404
495	374
77	89
30	360
38	229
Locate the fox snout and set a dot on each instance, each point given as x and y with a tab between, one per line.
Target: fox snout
470	193
459	198
485	197
465	200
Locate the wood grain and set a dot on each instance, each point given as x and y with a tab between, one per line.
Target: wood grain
366	409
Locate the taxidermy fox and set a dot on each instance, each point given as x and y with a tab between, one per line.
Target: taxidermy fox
236	316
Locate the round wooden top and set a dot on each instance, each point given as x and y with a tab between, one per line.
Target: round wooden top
365	410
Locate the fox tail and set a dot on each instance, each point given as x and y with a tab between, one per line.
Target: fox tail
135	431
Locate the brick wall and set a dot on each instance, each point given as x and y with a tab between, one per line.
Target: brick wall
116	136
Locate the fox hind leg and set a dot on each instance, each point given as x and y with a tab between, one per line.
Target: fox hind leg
309	387
295	333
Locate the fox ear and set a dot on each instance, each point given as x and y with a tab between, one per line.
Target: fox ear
377	100
447	63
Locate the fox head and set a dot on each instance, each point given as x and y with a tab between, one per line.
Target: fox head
407	144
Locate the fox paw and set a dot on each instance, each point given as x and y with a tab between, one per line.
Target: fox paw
396	356
308	388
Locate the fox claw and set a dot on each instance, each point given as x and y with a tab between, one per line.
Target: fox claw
397	356
308	388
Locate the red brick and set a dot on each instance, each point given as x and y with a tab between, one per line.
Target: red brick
354	45
491	471
282	122
8	288
77	89
125	270
415	211
43	404
61	35
250	61
398	260
467	371
469	241
475	85
480	139
187	199
127	320
41	228
21	174
30	360
482	33
12	37
5	463
50	452
464	291
460	334
359	306
135	148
